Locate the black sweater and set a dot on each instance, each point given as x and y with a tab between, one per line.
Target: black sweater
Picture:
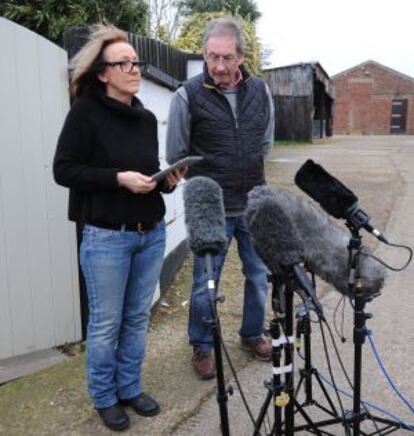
100	137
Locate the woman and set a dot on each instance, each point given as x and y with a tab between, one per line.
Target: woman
106	151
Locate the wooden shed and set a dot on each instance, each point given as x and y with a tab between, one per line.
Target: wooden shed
303	96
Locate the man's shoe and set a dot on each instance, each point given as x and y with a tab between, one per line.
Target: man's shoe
260	348
203	364
143	404
114	417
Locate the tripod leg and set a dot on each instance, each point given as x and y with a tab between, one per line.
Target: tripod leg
325	393
306	417
289	377
276	383
222	396
263	411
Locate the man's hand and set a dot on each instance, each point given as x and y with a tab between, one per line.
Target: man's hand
136	182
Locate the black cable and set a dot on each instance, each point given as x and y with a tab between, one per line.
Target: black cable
338	355
320	322
340	334
372	419
389	266
346	375
328	361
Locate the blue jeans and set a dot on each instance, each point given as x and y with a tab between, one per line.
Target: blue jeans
255	289
121	271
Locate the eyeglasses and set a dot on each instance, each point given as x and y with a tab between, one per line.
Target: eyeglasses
126	66
226	59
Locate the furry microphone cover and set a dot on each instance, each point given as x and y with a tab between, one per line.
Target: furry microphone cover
328	191
204	215
275	237
325	243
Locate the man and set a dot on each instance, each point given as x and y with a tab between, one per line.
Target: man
225	115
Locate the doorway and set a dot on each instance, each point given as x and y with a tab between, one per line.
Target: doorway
398	115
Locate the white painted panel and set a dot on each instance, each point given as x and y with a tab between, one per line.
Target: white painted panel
157	99
36	231
13	192
175	235
6	135
179	203
194	67
38	265
169	205
177	232
70	227
6	344
162	136
62	233
63	295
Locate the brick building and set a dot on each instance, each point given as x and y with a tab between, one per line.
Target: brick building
371	98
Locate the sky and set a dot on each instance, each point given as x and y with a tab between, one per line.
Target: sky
339	34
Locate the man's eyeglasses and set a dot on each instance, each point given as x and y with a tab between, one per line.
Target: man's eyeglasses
126	66
226	59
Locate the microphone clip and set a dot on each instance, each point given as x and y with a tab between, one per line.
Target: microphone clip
357	217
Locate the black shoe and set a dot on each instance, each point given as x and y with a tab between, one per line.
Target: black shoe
114	417
143	404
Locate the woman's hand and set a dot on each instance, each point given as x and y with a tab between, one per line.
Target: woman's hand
174	177
136	182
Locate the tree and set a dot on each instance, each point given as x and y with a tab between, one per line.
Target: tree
165	19
50	18
247	9
191	37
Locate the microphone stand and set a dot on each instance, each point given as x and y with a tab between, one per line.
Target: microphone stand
281	330
214	323
275	387
360	333
355	417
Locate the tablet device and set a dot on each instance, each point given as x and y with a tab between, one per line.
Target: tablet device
186	162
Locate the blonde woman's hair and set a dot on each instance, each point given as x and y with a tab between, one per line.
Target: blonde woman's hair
88	62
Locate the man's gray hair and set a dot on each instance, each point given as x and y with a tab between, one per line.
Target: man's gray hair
225	26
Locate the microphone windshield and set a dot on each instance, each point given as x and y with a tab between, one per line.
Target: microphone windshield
275	237
325	243
204	215
328	191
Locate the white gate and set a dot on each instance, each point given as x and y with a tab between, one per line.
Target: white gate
39	295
